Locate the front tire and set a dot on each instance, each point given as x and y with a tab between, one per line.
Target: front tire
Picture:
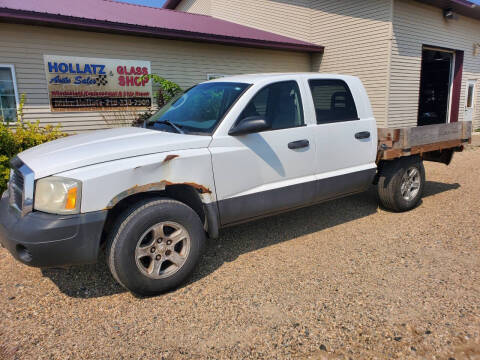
401	183
155	246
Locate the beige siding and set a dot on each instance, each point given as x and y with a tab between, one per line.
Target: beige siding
356	34
195	6
269	15
416	24
186	63
289	18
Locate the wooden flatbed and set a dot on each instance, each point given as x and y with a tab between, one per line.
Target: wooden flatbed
432	142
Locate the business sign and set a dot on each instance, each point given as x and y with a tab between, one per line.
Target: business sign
93	84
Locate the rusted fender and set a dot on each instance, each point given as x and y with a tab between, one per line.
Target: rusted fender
158	186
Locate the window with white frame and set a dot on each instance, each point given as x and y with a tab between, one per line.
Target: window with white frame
8	93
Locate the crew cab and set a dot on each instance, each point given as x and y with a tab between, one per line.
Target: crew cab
223	152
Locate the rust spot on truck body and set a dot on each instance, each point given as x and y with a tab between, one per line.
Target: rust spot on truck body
158	186
201	189
170	158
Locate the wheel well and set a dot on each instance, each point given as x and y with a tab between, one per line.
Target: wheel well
183	193
383	165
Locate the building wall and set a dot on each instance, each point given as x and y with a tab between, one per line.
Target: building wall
186	63
416	24
356	34
378	40
289	18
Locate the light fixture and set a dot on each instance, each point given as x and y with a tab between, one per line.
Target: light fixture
438	56
448	14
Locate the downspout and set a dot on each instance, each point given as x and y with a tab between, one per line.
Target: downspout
315	58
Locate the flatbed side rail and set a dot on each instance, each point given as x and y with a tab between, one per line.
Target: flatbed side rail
395	143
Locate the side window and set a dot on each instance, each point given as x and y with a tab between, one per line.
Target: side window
8	94
280	104
333	101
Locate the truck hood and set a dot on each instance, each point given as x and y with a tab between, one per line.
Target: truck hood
106	145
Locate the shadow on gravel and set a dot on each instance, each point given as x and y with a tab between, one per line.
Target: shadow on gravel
435	187
248	237
92	281
87	281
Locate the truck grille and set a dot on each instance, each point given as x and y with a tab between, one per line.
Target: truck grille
20	188
16	189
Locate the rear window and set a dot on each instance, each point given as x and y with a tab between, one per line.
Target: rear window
333	101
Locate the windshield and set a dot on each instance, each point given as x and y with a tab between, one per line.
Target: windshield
199	109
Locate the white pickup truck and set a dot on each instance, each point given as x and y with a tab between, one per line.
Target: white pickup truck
226	151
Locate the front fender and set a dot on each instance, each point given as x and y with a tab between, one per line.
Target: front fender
104	185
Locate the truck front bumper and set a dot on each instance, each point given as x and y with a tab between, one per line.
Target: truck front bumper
43	240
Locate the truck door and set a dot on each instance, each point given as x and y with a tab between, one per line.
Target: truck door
261	173
346	138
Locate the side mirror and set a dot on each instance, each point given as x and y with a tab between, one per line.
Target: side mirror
248	125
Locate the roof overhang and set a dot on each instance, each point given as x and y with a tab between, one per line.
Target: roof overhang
80	23
462	7
171	4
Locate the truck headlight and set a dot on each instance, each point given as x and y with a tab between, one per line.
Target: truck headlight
58	195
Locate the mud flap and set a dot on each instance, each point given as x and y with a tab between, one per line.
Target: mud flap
441	156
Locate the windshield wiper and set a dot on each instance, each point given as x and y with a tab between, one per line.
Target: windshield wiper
171	124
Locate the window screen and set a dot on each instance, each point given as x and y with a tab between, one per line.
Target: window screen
333	101
8	104
280	104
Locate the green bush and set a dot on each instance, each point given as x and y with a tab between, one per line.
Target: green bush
17	138
166	90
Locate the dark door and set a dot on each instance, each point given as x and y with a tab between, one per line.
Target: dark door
435	87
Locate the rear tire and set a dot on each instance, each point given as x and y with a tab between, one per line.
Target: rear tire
155	246
401	183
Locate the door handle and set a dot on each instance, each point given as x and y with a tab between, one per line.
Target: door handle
298	144
362	135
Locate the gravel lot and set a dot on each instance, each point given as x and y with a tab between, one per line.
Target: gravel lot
343	279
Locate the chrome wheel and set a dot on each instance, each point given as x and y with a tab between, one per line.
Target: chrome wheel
410	183
162	250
